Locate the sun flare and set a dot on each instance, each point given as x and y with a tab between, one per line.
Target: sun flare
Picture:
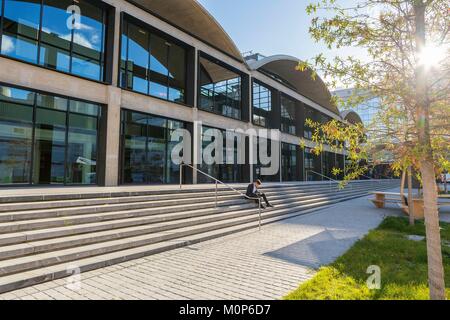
431	56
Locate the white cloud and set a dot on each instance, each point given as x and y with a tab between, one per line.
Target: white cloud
7	45
82	26
81	40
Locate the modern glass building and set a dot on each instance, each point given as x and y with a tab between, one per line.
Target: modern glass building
91	90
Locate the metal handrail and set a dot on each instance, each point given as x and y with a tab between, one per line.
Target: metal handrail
217	181
382	175
324	176
370	178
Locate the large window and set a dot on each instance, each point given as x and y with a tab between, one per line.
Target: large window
308	114
46	139
220	89
288	119
289	162
312	165
47	32
257	172
146	149
328	164
262	105
227	172
151	64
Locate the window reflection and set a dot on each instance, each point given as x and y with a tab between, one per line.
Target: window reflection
288	118
77	48
146	149
257	168
308	114
226	172
64	148
262	105
289	162
16	115
311	163
220	89
151	64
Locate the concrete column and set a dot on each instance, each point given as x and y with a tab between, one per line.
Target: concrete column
196	146
112	136
196	143
252	156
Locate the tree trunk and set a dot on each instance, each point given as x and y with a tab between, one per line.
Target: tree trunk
434	254
435	267
410	198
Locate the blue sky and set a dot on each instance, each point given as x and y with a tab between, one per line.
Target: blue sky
266	26
272	27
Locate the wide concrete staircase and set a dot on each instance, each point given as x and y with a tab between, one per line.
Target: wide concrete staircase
45	237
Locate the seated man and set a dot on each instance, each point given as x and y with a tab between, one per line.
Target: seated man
252	192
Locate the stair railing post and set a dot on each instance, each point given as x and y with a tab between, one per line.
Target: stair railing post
181	173
259	212
216	193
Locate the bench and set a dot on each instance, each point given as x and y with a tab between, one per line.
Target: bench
381	198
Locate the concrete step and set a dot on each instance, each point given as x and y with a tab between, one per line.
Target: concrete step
45	233
38	250
105	214
46	195
39	260
39	205
59	270
157	223
160	224
144	203
136	204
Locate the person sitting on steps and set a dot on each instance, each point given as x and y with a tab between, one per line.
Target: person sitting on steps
253	192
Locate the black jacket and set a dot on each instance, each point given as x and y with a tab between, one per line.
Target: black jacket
249	192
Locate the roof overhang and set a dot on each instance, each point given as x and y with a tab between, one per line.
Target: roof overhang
351	116
192	18
284	67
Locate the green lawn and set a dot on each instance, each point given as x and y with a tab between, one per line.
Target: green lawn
403	265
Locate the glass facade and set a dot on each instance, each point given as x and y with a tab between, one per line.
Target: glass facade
308	114
224	172
151	64
146	149
288	118
45	33
328	164
289	162
312	162
257	173
220	89
262	105
46	139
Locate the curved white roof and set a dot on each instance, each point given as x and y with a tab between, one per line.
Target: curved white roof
284	67
191	17
351	116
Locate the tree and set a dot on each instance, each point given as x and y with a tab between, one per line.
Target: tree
407	65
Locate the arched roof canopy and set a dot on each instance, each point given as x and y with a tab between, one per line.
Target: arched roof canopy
283	68
192	18
351	116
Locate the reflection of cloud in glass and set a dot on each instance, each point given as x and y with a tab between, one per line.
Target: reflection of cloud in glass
78	38
82	26
82	40
7	45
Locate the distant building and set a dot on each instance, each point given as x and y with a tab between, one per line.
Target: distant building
366	110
